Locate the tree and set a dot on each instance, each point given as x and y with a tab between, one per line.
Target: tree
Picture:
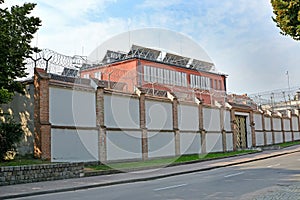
287	17
10	134
16	33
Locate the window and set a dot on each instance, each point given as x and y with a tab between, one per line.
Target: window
146	73
97	75
86	76
220	85
215	84
184	79
164	76
199	82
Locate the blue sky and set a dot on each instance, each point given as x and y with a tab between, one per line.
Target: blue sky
238	35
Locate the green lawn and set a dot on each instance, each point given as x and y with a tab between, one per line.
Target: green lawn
288	144
165	161
18	161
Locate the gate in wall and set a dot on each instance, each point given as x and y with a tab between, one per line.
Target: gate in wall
241	132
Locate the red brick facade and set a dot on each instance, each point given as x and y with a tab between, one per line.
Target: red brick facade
132	73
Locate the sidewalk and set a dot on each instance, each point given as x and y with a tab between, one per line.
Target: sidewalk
30	189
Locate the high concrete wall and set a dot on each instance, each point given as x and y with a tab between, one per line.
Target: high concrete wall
104	125
21	108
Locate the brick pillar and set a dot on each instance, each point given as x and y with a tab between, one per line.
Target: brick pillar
42	133
201	128
252	124
282	129
175	126
102	154
37	133
272	129
223	129
292	128
264	128
233	129
143	126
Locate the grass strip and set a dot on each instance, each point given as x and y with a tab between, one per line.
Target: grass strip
288	144
23	161
166	161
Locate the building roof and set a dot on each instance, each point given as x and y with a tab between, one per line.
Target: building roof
154	44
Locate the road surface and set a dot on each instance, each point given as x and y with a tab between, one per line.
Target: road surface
273	178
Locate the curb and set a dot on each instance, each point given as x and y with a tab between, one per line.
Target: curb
142	179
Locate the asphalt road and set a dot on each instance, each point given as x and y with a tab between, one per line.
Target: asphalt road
245	181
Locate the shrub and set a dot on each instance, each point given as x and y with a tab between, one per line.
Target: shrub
10	134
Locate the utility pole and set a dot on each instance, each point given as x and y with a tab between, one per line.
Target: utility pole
288	81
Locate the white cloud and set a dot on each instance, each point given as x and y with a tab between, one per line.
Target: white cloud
158	4
239	35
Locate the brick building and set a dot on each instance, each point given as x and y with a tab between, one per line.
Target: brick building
158	70
157	61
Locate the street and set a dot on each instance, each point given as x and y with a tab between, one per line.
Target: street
255	180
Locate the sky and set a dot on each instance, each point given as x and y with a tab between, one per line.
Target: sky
238	35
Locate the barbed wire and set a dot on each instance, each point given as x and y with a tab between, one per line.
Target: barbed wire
53	61
275	96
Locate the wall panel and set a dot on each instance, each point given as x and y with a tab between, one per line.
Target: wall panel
295	123
259	138
277	124
296	135
158	115
74	145
190	143
161	144
124	145
229	142
214	142
121	111
288	136
211	119
278	137
71	107
267	123
227	123
269	138
188	117
258	121
287	124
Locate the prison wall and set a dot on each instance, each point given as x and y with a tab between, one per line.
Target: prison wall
88	123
